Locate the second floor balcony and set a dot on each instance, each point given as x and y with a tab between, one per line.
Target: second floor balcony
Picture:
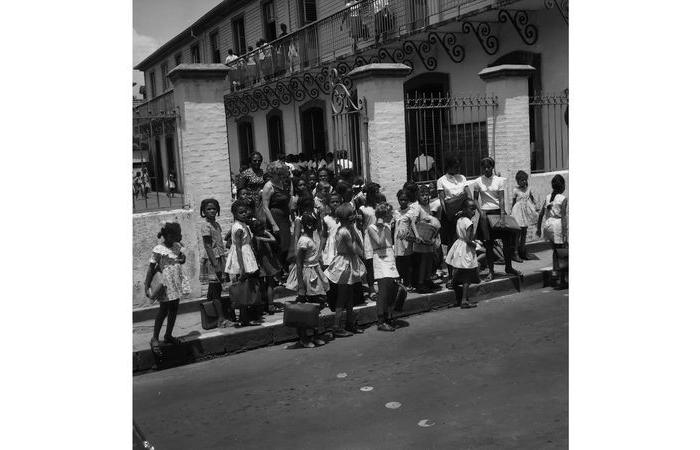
357	29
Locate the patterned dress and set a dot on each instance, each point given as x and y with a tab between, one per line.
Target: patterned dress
524	210
175	281
207	271
314	280
402	233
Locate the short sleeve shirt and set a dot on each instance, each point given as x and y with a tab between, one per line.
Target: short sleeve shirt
423	163
452	185
489	188
217	242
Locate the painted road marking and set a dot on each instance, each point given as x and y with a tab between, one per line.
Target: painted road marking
366	388
342	375
393	405
426	423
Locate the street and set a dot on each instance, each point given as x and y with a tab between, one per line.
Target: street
491	377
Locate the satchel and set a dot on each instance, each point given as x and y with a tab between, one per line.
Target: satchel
510	223
245	293
210	319
562	256
454	205
401	294
302	315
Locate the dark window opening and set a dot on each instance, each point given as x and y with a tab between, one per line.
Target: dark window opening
269	21
238	34
215	52
178	59
164	76
194	52
307	11
246	143
275	133
152	82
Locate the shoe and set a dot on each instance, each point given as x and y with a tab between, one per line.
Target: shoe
318	342
512	271
517	259
341	333
422	290
385	327
308	344
355	330
468	305
225	323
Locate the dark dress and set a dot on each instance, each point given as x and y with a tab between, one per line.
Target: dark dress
279	208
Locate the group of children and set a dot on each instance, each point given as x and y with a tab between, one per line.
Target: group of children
345	239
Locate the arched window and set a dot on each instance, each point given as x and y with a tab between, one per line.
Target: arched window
275	133
246	141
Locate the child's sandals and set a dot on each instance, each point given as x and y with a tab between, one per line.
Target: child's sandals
155	347
173	340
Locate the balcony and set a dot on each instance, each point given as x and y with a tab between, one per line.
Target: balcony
162	106
366	25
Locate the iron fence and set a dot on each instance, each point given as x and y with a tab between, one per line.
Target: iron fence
155	169
354	28
440	127
349	133
549	132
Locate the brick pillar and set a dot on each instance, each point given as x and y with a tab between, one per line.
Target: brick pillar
203	145
381	85
509	145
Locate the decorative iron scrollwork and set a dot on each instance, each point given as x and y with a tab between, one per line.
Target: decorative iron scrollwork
421	49
449	43
341	99
562	6
520	20
482	32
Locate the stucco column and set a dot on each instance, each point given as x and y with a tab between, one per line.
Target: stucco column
202	140
381	85
509	124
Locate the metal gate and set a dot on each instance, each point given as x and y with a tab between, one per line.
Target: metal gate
439	127
349	129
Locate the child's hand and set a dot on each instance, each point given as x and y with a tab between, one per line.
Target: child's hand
471	244
538	233
220	276
181	258
148	293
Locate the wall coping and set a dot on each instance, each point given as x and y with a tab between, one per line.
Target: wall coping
199	72
376	70
506	70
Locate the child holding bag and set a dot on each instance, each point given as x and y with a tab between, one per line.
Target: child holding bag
524	212
242	266
462	256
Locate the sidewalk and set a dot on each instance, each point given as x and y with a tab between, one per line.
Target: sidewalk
200	344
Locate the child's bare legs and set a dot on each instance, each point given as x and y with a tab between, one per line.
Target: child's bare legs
343	302
160	318
386	289
173	306
521	243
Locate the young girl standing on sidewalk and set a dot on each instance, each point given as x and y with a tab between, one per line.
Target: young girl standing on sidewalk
241	263
420	213
167	258
346	269
385	271
462	256
523	210
267	263
212	256
403	247
556	229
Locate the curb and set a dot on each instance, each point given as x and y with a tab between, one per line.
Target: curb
216	342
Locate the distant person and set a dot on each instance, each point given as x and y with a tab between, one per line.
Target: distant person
344	162
231	57
424	167
145	183
171	185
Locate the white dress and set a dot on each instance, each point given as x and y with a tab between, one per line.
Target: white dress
328	252
383	261
524	211
552	227
370	219
250	264
461	256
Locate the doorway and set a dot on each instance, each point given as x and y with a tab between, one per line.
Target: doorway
313	129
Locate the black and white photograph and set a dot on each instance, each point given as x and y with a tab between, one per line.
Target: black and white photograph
350	225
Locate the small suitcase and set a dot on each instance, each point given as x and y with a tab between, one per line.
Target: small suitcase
210	319
401	294
302	315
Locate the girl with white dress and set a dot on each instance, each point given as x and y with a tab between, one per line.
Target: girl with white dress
523	211
385	272
556	230
462	256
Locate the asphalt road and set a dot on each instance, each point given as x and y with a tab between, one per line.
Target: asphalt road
491	377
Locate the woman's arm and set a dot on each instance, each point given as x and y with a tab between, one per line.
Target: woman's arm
374	237
268	237
441	196
266	195
296	234
539	220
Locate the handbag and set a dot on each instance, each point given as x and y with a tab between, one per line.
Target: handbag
210	319
302	315
562	256
401	294
510	224
245	293
453	205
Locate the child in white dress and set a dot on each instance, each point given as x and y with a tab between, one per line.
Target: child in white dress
555	230
523	210
462	256
385	272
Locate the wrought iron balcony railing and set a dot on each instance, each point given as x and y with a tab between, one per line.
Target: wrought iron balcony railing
357	27
161	105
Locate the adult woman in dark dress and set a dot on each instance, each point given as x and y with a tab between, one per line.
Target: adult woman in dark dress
276	199
253	179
